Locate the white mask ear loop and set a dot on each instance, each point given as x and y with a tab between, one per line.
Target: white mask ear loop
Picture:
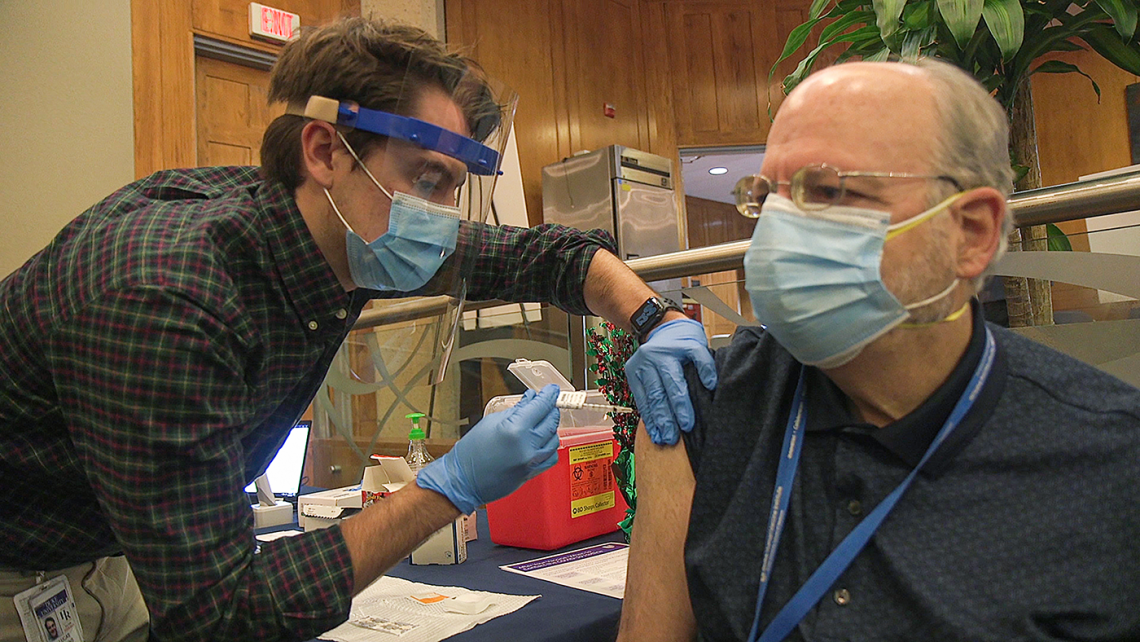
363	166
337	210
936	297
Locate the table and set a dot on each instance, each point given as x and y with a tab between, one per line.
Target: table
562	614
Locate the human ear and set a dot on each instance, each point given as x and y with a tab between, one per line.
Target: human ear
318	142
978	214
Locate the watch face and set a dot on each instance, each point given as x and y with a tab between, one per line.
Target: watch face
644	314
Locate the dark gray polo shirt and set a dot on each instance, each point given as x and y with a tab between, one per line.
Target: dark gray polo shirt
1025	525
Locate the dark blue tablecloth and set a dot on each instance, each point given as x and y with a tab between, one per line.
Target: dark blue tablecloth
561	615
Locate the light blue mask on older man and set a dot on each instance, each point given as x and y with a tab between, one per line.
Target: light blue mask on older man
814	280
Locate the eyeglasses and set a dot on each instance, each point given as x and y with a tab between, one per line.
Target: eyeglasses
813	187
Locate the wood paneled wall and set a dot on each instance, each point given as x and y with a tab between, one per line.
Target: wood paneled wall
702	68
1077	133
713	223
162	39
566	64
676	73
720	54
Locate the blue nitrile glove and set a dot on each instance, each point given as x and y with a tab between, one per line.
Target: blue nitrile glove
657	379
498	454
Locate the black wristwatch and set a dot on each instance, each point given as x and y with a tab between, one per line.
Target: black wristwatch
649	314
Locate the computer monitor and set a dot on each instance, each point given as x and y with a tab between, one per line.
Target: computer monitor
288	465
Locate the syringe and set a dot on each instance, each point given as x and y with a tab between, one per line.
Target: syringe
576	399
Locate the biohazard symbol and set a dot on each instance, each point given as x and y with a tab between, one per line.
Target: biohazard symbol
591	484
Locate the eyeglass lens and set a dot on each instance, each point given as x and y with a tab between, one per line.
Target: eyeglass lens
750	192
814	187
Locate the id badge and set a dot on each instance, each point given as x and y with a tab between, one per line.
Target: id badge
48	614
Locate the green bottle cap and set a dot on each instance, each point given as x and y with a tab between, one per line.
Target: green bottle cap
417	432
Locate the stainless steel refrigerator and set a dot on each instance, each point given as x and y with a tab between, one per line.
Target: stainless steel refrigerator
625	191
619	189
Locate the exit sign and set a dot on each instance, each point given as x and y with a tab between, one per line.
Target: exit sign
272	24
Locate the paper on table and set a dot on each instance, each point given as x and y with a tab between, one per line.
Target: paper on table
269	537
387	609
598	569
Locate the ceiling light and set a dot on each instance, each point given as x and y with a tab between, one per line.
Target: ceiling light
717	171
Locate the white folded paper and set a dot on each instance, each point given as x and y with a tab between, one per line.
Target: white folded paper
412	612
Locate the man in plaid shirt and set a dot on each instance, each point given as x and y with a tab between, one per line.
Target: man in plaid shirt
153	356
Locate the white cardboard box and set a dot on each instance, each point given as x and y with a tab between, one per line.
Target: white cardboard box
323	509
448	545
277	515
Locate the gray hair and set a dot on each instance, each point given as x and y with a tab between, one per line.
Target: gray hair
973	144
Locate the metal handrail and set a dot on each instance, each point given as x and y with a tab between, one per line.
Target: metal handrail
1071	201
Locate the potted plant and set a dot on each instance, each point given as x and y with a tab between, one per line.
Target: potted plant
1001	43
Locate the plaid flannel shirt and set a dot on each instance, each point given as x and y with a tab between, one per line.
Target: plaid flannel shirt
153	358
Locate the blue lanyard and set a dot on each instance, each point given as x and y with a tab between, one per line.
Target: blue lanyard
839	559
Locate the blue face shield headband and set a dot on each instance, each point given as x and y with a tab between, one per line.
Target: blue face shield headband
480	159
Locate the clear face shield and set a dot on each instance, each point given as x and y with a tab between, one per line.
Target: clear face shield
436	167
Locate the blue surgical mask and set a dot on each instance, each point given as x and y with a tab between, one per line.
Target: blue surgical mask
814	278
421	235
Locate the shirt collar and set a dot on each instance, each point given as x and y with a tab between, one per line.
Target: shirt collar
910	437
310	283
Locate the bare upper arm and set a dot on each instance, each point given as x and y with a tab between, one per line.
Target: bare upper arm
656	605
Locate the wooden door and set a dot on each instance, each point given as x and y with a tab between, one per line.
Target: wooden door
232	112
165	38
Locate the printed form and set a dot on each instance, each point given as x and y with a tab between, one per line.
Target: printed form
598	569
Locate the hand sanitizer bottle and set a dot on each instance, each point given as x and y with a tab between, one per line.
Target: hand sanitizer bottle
418	456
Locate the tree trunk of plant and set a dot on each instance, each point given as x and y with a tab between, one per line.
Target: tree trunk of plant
1029	301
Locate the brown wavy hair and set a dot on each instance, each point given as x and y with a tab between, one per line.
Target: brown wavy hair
379	65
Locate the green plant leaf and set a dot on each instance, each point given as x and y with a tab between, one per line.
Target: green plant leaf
879	56
839	26
1123	13
1019	172
970	51
796	39
887	14
1057	241
914	43
961	16
918	15
991	82
870	32
1106	42
1068	45
1006	22
1058	67
817	7
1053	38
